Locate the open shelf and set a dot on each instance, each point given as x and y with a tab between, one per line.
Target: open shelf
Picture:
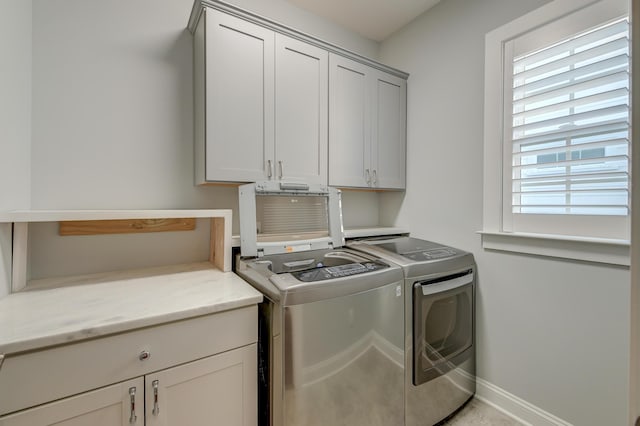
96	223
22	216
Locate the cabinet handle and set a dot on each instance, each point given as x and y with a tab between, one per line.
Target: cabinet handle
281	172
375	177
367	176
132	397
156	407
269	174
144	355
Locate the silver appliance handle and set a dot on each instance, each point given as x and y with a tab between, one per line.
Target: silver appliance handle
439	287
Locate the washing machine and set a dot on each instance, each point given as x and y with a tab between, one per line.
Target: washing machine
439	297
331	327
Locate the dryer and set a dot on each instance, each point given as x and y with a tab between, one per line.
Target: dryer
439	295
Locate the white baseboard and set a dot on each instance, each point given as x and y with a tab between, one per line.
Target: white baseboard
515	407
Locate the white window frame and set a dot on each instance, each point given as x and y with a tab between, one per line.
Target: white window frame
497	233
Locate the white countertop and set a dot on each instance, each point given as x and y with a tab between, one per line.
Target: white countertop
64	310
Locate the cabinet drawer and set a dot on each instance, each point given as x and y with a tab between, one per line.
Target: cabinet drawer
32	378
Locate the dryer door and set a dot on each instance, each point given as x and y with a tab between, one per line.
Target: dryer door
442	325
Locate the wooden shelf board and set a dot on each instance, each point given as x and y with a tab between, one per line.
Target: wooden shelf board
125	226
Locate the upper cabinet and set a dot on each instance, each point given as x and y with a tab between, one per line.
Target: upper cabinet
261	101
389	131
301	114
350	132
367	132
275	104
234	78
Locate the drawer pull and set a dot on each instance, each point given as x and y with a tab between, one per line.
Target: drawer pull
144	355
132	396
156	407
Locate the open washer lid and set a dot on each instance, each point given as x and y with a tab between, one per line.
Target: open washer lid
278	217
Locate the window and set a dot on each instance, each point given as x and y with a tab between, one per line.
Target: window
557	122
570	125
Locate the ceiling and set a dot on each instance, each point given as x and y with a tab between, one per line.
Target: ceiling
373	19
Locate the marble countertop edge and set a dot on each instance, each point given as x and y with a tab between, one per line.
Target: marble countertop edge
94	307
92	332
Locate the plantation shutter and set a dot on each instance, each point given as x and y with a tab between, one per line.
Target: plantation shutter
570	125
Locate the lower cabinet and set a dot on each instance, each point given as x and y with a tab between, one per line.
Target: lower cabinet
108	406
217	390
192	372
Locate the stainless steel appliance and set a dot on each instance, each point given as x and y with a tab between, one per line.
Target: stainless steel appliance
439	324
331	345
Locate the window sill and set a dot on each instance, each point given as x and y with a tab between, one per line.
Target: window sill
599	250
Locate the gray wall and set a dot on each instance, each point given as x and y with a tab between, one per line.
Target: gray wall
552	332
15	103
113	113
113	104
15	119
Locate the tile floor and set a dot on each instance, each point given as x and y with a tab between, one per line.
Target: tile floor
478	413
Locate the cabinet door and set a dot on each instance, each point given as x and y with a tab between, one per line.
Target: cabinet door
388	136
109	406
218	390
349	123
301	111
239	63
